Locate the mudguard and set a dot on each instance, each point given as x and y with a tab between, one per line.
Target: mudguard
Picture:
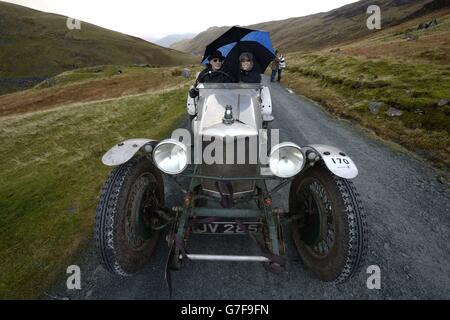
191	105
266	101
124	151
336	161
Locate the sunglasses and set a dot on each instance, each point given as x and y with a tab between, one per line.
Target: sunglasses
216	60
246	60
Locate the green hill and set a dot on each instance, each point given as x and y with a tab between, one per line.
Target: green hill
35	45
322	30
402	68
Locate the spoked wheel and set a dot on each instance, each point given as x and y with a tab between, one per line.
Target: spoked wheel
330	228
126	216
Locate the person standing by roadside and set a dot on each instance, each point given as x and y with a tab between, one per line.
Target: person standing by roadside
275	67
281	65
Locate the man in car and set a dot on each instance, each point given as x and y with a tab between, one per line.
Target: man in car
212	73
247	72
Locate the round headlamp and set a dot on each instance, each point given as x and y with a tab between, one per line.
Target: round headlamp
170	156
286	160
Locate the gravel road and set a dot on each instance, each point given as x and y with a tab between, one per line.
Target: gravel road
408	213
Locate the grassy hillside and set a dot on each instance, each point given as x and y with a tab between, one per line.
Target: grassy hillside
167	41
323	29
37	45
51	169
88	84
198	44
411	76
180	45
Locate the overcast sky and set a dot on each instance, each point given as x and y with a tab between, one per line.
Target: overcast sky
158	18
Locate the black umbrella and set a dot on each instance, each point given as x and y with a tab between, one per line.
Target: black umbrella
238	40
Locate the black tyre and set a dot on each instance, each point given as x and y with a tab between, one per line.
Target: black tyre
125	215
330	229
189	125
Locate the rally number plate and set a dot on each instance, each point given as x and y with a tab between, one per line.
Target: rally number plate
225	228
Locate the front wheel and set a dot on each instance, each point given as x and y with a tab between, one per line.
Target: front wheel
329	227
124	233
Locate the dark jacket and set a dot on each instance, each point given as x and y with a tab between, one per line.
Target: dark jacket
275	63
211	78
251	76
207	76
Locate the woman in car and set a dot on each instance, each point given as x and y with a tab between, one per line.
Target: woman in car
247	72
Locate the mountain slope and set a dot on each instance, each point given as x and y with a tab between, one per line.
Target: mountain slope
197	44
167	41
36	45
321	30
396	82
180	45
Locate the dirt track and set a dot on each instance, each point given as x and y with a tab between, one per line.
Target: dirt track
409	231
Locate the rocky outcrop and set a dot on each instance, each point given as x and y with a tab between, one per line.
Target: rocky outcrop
375	107
393	112
410	37
186	73
443	102
427	25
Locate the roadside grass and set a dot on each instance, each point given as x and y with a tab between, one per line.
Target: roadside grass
91	84
51	176
346	85
117	71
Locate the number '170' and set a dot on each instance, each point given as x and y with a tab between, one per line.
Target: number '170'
340	161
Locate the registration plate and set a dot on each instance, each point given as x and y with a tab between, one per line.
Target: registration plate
225	228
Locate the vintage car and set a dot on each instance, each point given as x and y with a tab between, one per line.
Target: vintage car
327	221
